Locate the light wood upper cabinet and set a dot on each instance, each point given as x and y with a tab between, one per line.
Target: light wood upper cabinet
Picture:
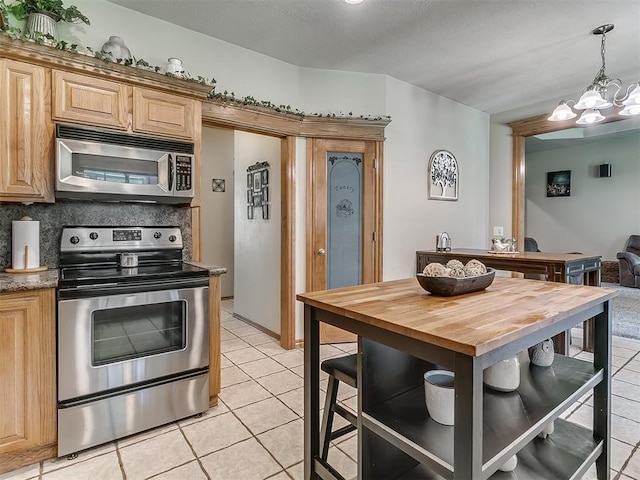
89	100
27	377
159	113
26	133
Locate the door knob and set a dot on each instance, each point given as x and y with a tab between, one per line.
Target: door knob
321	252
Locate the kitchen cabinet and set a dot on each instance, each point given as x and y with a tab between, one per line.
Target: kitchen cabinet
403	332
158	113
90	101
26	133
104	103
214	339
27	377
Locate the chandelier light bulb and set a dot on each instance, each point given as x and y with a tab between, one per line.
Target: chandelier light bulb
634	97
562	112
630	110
353	2
591	99
590	117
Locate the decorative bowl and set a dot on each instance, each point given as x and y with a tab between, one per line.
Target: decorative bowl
450	286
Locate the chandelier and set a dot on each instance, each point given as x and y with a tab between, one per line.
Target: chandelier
603	93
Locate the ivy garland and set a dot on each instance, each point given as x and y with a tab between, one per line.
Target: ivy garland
226	97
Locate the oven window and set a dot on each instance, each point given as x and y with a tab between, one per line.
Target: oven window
138	331
114	170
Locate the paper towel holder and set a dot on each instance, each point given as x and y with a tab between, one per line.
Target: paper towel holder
26	261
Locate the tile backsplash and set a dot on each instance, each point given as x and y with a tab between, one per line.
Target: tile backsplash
53	217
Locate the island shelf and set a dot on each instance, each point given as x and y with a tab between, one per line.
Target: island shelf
403	332
510	420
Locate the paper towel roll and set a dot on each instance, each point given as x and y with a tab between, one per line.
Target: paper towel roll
25	244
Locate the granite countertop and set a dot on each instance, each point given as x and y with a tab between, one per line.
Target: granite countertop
13	282
213	269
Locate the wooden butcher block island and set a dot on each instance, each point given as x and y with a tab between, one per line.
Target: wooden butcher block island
404	331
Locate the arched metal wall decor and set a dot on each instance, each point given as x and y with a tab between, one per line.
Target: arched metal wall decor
443	176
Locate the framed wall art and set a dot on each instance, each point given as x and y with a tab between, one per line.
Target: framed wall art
258	191
559	183
442	176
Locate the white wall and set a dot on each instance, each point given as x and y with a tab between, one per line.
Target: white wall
423	122
601	213
216	213
257	241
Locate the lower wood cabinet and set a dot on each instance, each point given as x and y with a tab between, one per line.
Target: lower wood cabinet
27	378
214	339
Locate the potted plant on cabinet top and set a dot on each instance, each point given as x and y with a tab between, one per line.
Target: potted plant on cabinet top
43	15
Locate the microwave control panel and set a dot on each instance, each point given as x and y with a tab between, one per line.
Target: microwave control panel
184	172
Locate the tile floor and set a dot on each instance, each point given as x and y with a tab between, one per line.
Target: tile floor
256	431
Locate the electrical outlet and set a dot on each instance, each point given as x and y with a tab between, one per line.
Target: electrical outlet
498	231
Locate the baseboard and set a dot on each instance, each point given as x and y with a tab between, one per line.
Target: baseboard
258	326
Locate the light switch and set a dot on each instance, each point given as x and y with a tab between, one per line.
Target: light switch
498	231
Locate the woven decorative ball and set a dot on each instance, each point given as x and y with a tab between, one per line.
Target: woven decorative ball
455	264
474	265
457	272
436	270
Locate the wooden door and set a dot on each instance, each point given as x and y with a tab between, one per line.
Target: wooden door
159	113
343	224
27	375
90	100
26	133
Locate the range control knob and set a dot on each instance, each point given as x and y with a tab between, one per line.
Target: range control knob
74	240
172	238
93	235
157	235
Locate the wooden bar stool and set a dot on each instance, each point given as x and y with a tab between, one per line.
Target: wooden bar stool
341	369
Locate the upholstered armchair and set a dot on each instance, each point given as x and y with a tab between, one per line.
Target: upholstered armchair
630	262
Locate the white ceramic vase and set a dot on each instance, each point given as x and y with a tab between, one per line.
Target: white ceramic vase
503	376
440	395
174	66
116	47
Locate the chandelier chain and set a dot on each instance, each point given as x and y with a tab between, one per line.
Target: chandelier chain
602	55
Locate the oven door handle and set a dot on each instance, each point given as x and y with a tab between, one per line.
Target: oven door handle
87	291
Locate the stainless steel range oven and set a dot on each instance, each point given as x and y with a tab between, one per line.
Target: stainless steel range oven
133	334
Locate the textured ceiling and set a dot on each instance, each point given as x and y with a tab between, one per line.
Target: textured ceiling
493	55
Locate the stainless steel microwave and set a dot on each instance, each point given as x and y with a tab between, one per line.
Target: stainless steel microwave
105	165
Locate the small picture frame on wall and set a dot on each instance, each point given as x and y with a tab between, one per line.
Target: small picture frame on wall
257	182
250	212
265	194
257	200
250	197
265	211
265	177
249	180
559	183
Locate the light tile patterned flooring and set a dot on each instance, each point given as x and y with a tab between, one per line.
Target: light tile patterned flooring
256	431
